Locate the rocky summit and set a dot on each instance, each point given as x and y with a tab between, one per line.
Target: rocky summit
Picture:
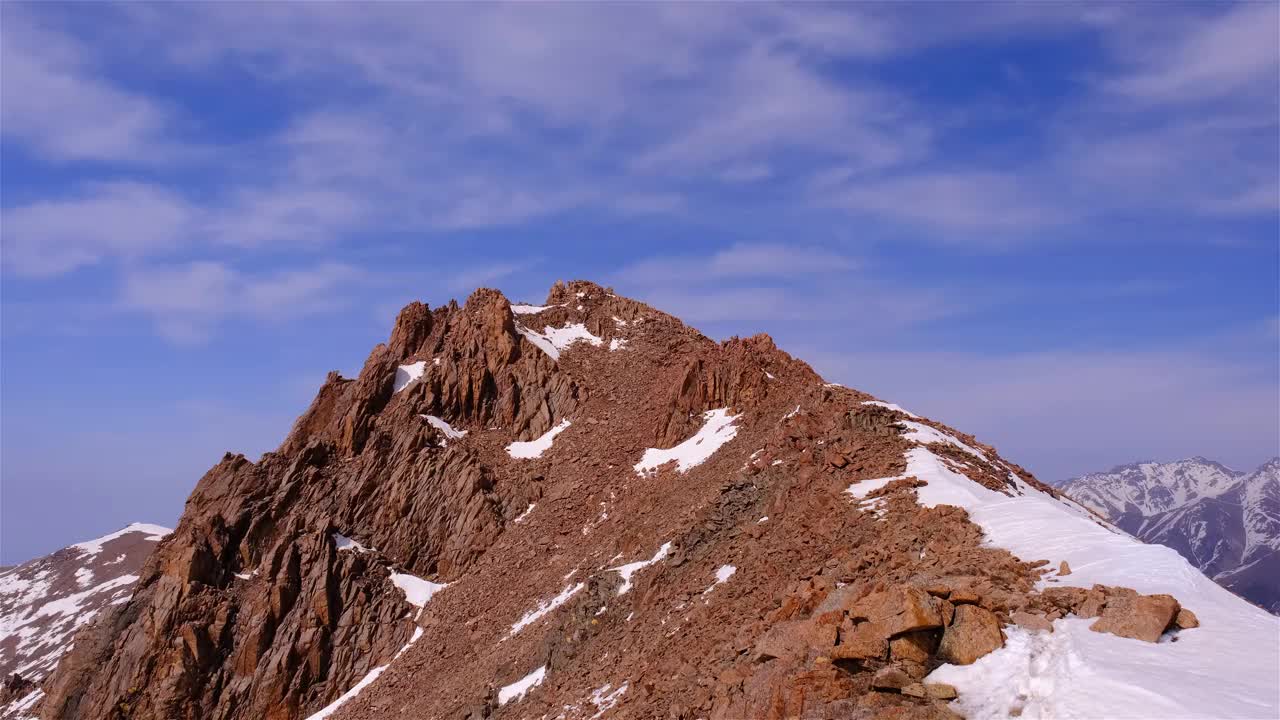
585	509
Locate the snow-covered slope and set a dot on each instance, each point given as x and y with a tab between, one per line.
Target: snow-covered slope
1262	511
44	601
1226	668
1224	522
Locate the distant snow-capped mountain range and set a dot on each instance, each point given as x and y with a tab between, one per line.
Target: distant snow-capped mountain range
1224	521
45	601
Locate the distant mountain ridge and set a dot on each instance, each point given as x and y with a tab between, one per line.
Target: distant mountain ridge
1226	522
43	602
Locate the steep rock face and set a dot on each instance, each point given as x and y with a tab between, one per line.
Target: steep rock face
44	601
253	609
577	509
1226	523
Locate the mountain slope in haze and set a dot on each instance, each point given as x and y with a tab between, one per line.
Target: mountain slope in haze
586	509
44	601
1227	523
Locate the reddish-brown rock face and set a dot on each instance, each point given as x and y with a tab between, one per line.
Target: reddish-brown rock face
739	581
974	632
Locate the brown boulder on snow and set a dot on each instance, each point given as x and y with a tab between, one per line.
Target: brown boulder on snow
1142	617
1186	619
973	633
1031	621
940	691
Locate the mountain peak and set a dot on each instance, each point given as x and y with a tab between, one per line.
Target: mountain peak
587	508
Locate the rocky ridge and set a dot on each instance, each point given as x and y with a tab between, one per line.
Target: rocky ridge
585	508
44	601
1225	522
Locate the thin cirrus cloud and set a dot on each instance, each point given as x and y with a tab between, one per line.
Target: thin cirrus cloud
186	302
742	260
117	219
1207	58
641	113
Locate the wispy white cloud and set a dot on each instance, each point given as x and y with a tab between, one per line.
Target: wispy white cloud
957	205
741	260
108	220
187	301
54	100
1207	58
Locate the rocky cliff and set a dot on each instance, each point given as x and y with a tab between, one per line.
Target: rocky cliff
585	508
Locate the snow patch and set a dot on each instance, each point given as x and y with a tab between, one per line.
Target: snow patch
724	572
365	682
525	450
792	414
718	429
543	608
924	434
604	700
617	344
525	514
891	406
626	571
154	533
522	309
862	488
553	341
345	543
406	374
416	590
445	428
517	689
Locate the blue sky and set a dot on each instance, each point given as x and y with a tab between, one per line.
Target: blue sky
1054	225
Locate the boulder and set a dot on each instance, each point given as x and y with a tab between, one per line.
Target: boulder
974	633
940	691
899	609
915	690
1186	619
792	639
890	677
1141	617
1064	568
914	646
1031	621
866	641
1092	605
